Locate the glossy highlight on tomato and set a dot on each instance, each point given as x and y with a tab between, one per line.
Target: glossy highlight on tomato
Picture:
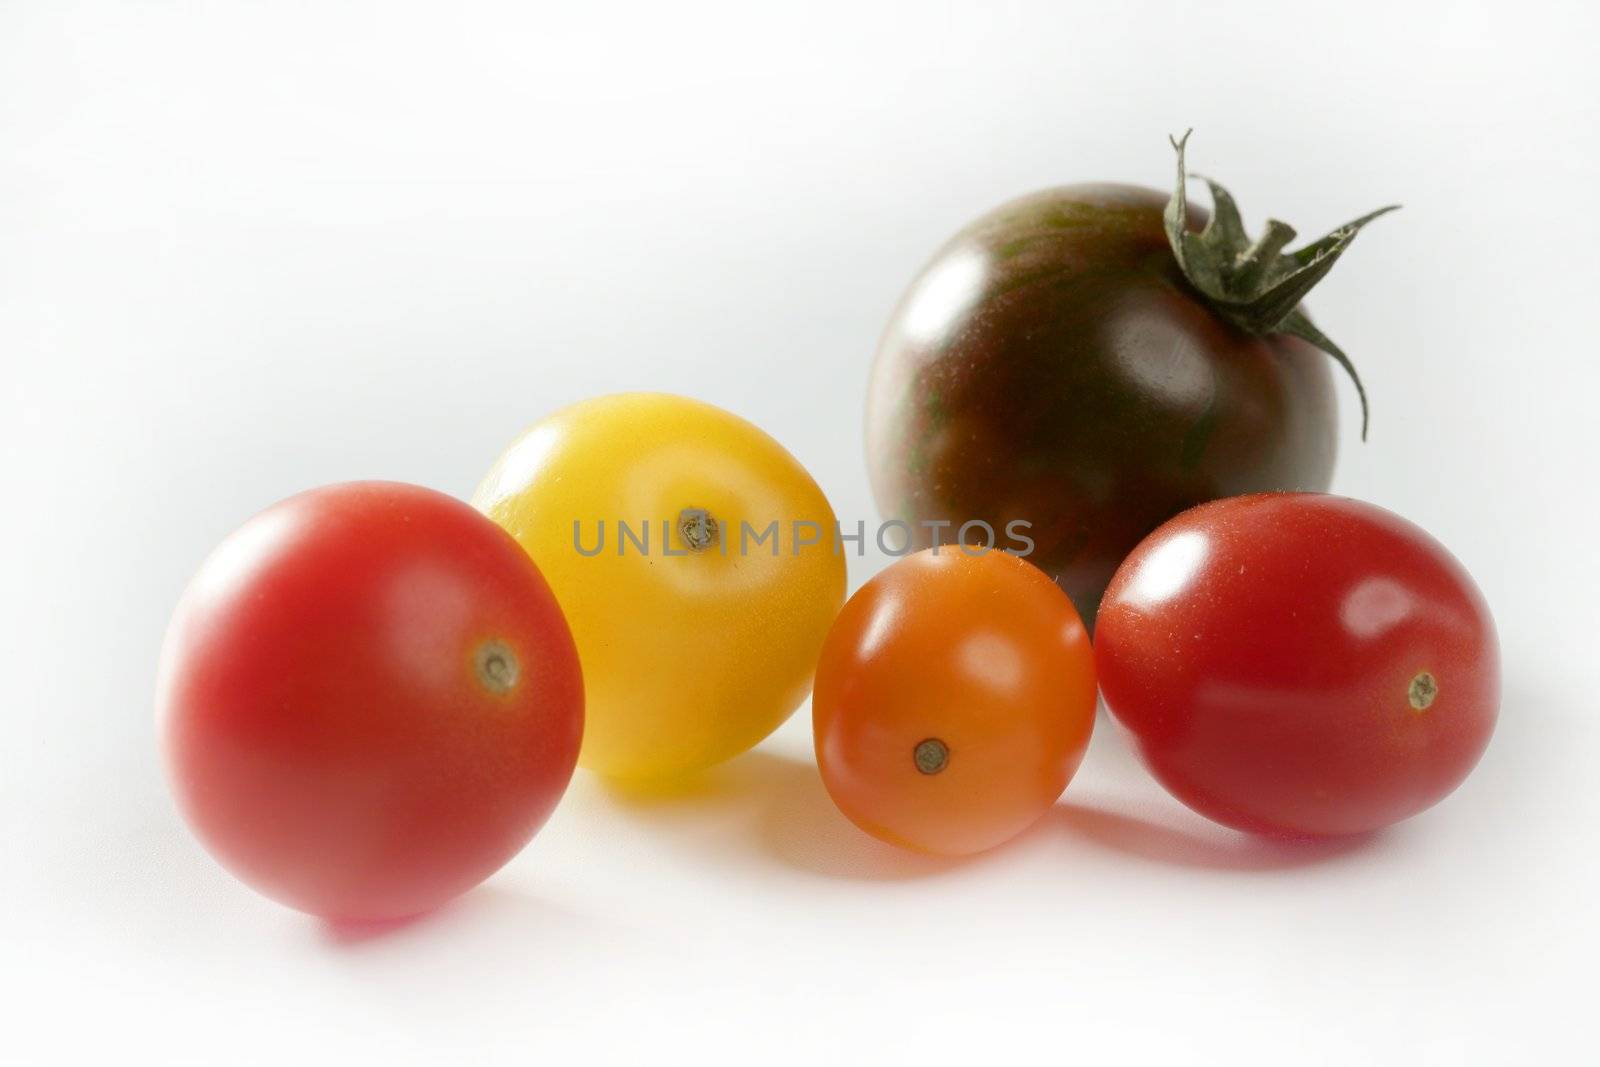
954	700
369	701
1299	664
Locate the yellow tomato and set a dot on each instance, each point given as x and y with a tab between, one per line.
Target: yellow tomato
696	561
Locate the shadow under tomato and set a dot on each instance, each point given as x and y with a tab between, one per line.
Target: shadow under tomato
803	828
1209	847
778	805
350	932
485	905
708	787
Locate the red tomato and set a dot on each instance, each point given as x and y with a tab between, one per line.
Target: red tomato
1299	664
369	700
954	701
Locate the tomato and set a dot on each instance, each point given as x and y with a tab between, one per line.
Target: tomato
699	623
954	700
369	701
1055	364
1299	664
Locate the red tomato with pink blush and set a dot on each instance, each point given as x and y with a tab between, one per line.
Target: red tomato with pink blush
1299	664
369	701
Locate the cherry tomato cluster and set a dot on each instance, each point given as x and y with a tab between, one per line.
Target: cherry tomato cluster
372	695
1096	359
1293	664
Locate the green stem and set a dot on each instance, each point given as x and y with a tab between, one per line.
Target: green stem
1256	285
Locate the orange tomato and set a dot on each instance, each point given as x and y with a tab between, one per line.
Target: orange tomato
953	701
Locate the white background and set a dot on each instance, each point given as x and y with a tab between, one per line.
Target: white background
247	248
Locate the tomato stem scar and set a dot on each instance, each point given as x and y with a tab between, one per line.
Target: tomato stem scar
699	528
1422	691
931	756
497	666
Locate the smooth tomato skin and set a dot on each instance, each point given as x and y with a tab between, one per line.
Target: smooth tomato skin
336	727
981	653
1051	364
690	656
1262	651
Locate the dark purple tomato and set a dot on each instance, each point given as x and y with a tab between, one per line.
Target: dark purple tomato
1055	364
